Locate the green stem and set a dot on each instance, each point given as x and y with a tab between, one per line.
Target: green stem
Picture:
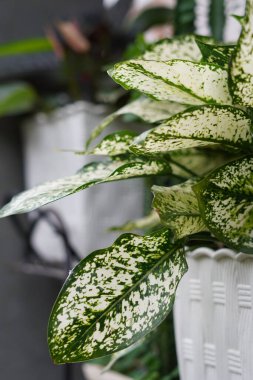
189	171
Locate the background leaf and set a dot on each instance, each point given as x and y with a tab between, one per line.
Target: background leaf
16	98
33	45
149	221
148	110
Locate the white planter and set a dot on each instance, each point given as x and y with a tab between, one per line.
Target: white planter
89	213
232	27
214	316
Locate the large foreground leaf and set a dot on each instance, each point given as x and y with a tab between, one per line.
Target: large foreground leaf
148	110
180	81
242	63
95	172
198	127
178	209
115	296
226	203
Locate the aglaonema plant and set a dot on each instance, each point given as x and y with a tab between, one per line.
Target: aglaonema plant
199	98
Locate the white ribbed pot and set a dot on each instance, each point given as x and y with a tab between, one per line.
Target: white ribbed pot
214	316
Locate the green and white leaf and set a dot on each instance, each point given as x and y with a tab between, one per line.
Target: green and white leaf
217	54
178	209
91	174
242	63
148	110
179	81
16	98
149	221
226	203
182	47
198	127
114	144
115	296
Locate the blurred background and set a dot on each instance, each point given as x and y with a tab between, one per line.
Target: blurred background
54	90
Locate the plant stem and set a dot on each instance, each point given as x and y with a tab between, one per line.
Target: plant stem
189	171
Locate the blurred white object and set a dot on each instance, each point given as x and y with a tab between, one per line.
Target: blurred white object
94	372
141	4
214	317
109	3
89	213
202	17
232	27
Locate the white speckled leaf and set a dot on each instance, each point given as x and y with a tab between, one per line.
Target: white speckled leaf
114	144
226	203
148	110
178	209
115	296
147	222
91	174
179	81
217	54
196	127
241	70
182	47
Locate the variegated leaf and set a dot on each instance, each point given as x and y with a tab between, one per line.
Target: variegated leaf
179	81
91	174
178	209
182	47
114	144
242	62
115	296
146	222
198	127
148	110
217	54
226	203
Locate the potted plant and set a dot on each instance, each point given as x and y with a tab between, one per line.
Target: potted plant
117	295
